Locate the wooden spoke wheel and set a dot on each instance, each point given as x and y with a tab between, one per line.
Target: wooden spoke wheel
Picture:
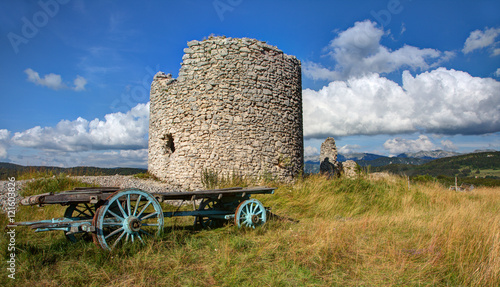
79	211
128	215
208	222
250	213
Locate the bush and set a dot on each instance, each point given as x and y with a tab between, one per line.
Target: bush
145	175
423	179
211	179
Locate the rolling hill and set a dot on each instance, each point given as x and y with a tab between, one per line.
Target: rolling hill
14	170
480	168
469	165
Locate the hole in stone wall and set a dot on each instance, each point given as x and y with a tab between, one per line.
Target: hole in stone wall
169	143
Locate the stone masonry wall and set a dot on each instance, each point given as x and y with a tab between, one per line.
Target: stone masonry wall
328	158
235	107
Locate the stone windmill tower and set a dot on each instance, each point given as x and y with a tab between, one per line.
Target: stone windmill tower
235	107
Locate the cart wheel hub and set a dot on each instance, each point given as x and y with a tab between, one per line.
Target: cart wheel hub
134	224
255	219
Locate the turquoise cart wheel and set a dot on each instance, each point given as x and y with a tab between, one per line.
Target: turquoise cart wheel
128	215
250	213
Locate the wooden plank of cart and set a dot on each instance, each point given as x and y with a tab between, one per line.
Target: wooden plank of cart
114	216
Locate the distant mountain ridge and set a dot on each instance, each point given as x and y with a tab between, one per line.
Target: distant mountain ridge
414	157
375	160
359	156
382	161
14	170
476	164
434	154
342	158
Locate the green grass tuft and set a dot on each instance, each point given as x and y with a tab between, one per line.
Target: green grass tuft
51	183
146	175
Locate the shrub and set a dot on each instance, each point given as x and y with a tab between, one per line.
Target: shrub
209	178
146	175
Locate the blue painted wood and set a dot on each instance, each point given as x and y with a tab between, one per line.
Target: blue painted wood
250	213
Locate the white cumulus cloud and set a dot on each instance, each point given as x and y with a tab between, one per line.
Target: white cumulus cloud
347	149
399	145
310	151
117	131
359	106
440	101
316	71
121	158
51	80
54	81
453	102
448	145
107	158
481	39
4	142
497	73
79	83
357	52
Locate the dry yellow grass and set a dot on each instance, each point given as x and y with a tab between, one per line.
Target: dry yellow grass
359	232
425	235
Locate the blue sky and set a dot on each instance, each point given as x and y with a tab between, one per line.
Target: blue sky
383	76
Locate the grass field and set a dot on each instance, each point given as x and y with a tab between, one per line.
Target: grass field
358	232
489	172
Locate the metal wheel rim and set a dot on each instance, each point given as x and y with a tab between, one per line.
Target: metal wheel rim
127	215
250	213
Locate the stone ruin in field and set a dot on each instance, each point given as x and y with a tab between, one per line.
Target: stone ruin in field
236	107
329	164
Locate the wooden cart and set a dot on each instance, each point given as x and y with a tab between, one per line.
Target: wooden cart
114	216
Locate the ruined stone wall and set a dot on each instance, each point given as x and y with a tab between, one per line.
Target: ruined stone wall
328	158
235	107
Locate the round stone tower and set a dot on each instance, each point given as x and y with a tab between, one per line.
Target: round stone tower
236	107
